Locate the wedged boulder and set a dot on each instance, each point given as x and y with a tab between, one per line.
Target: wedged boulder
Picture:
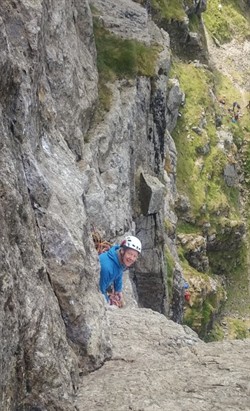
151	194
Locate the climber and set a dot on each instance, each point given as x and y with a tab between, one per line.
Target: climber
236	106
113	262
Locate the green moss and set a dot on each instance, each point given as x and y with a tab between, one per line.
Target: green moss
246	163
120	58
199	317
201	178
238	329
201	314
216	334
192	318
237	280
189	170
187	228
231	21
194	23
168	9
233	328
205	303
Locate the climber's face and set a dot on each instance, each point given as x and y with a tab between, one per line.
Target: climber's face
129	256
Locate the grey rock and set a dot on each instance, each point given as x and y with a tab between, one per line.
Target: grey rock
151	194
168	368
194	40
174	101
203	150
195	248
48	275
61	175
195	6
197	130
231	175
218	121
126	19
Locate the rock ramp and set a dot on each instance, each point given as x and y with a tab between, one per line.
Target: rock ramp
159	365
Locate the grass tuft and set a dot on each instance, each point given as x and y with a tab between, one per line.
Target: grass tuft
168	9
120	58
226	20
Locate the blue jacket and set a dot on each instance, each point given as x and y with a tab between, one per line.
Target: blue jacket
111	270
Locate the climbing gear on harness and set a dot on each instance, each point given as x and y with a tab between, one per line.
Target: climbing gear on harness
132	242
100	244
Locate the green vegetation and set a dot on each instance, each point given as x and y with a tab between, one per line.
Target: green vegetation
201	160
234	328
194	23
246	163
216	334
238	329
200	177
168	9
188	228
120	58
238	281
199	317
205	303
226	22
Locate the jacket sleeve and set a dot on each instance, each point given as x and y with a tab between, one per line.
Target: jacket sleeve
118	283
103	283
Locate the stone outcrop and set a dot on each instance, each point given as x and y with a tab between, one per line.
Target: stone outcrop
195	251
185	42
169	368
195	6
49	269
63	175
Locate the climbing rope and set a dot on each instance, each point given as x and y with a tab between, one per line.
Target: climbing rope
100	244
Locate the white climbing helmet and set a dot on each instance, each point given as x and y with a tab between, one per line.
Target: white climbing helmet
132	242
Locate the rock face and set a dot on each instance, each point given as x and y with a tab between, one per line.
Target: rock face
186	43
168	369
57	184
127	154
49	331
62	176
